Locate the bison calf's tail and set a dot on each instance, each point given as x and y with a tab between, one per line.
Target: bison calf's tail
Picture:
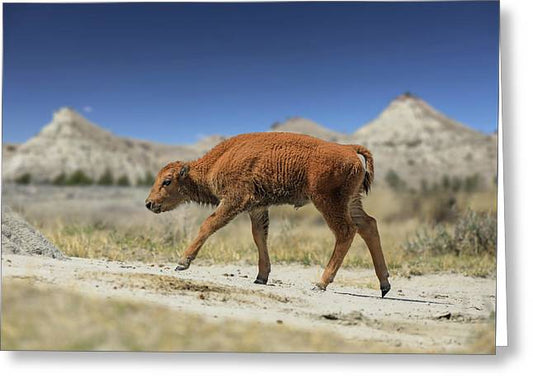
368	165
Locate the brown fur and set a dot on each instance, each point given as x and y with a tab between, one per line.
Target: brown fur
254	171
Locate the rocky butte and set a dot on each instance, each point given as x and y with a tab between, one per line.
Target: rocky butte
409	139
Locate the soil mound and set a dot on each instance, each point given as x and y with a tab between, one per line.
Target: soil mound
20	238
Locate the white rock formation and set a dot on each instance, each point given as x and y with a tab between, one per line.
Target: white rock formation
308	127
409	137
418	142
70	143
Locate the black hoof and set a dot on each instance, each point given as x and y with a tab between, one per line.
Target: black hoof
260	281
182	266
384	290
319	287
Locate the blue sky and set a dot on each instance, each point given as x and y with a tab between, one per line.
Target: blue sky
175	72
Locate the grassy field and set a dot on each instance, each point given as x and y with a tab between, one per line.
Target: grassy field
97	222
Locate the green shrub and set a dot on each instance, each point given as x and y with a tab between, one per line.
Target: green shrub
147	180
474	234
106	179
439	208
394	181
78	178
424	187
456	184
435	242
472	183
123	181
60	180
445	182
23	179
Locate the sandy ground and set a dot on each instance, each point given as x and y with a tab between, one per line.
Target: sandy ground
437	313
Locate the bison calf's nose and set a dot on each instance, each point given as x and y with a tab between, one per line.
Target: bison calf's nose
149	205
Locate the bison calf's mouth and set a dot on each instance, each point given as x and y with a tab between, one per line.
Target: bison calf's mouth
153	207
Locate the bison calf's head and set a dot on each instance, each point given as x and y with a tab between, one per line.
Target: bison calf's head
169	189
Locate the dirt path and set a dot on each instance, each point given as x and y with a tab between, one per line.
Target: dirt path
438	313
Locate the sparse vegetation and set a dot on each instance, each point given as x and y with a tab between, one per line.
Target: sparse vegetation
78	177
456	184
472	183
147	180
424	186
445	182
60	180
472	239
106	179
394	181
476	234
123	181
24	179
80	229
453	184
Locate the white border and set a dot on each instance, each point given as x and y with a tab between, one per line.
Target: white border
501	272
509	366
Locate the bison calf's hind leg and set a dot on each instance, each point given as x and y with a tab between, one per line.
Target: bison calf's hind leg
259	218
367	227
339	222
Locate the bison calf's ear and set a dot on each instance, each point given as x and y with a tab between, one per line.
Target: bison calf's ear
184	171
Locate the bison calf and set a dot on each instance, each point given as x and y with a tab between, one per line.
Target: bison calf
254	171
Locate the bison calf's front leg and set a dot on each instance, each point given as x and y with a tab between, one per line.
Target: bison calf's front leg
222	215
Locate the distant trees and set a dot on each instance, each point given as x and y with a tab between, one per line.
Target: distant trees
456	184
449	184
77	178
147	180
80	178
24	179
394	181
453	184
123	180
59	180
106	179
472	183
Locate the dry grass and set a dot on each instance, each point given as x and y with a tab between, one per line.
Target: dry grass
45	318
93	223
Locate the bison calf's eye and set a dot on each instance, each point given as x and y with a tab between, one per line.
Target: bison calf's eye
166	182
